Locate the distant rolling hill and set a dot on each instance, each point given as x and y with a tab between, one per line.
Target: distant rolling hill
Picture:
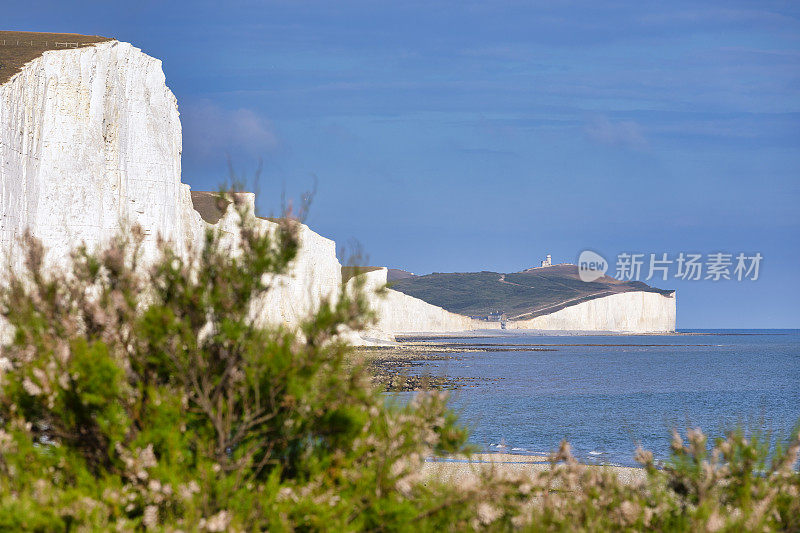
520	295
394	274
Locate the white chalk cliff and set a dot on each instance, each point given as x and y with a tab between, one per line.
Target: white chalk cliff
90	142
89	139
631	312
400	313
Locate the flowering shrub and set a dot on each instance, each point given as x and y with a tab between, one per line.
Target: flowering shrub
150	397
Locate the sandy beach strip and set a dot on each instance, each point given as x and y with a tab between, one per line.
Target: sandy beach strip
458	470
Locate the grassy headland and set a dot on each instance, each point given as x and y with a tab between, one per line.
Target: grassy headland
20	47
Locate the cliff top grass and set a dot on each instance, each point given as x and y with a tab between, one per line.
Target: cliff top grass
521	295
210	205
20	47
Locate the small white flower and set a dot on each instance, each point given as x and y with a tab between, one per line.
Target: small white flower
488	513
150	518
147	457
40	374
31	388
62	352
218	522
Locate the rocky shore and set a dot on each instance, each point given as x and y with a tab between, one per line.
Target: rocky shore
400	367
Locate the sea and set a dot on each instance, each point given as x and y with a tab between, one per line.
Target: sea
608	394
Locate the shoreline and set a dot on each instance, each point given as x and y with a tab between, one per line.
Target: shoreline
460	469
394	366
516	333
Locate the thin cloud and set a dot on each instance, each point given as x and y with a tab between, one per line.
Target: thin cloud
622	133
211	131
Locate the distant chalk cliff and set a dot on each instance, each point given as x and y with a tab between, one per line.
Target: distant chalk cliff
627	311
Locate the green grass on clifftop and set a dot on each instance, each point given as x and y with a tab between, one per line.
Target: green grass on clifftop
20	47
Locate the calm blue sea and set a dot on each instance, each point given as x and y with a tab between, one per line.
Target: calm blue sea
605	394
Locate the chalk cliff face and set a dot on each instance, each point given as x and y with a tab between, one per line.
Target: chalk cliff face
631	312
315	274
399	313
90	141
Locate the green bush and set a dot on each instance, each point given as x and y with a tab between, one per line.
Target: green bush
150	397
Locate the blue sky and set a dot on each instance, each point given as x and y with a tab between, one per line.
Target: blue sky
462	136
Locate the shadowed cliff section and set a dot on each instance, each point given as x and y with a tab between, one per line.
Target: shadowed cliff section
20	47
349	272
520	295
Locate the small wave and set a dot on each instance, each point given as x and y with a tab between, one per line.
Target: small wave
596	453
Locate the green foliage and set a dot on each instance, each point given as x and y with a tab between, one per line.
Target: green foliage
152	397
735	485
